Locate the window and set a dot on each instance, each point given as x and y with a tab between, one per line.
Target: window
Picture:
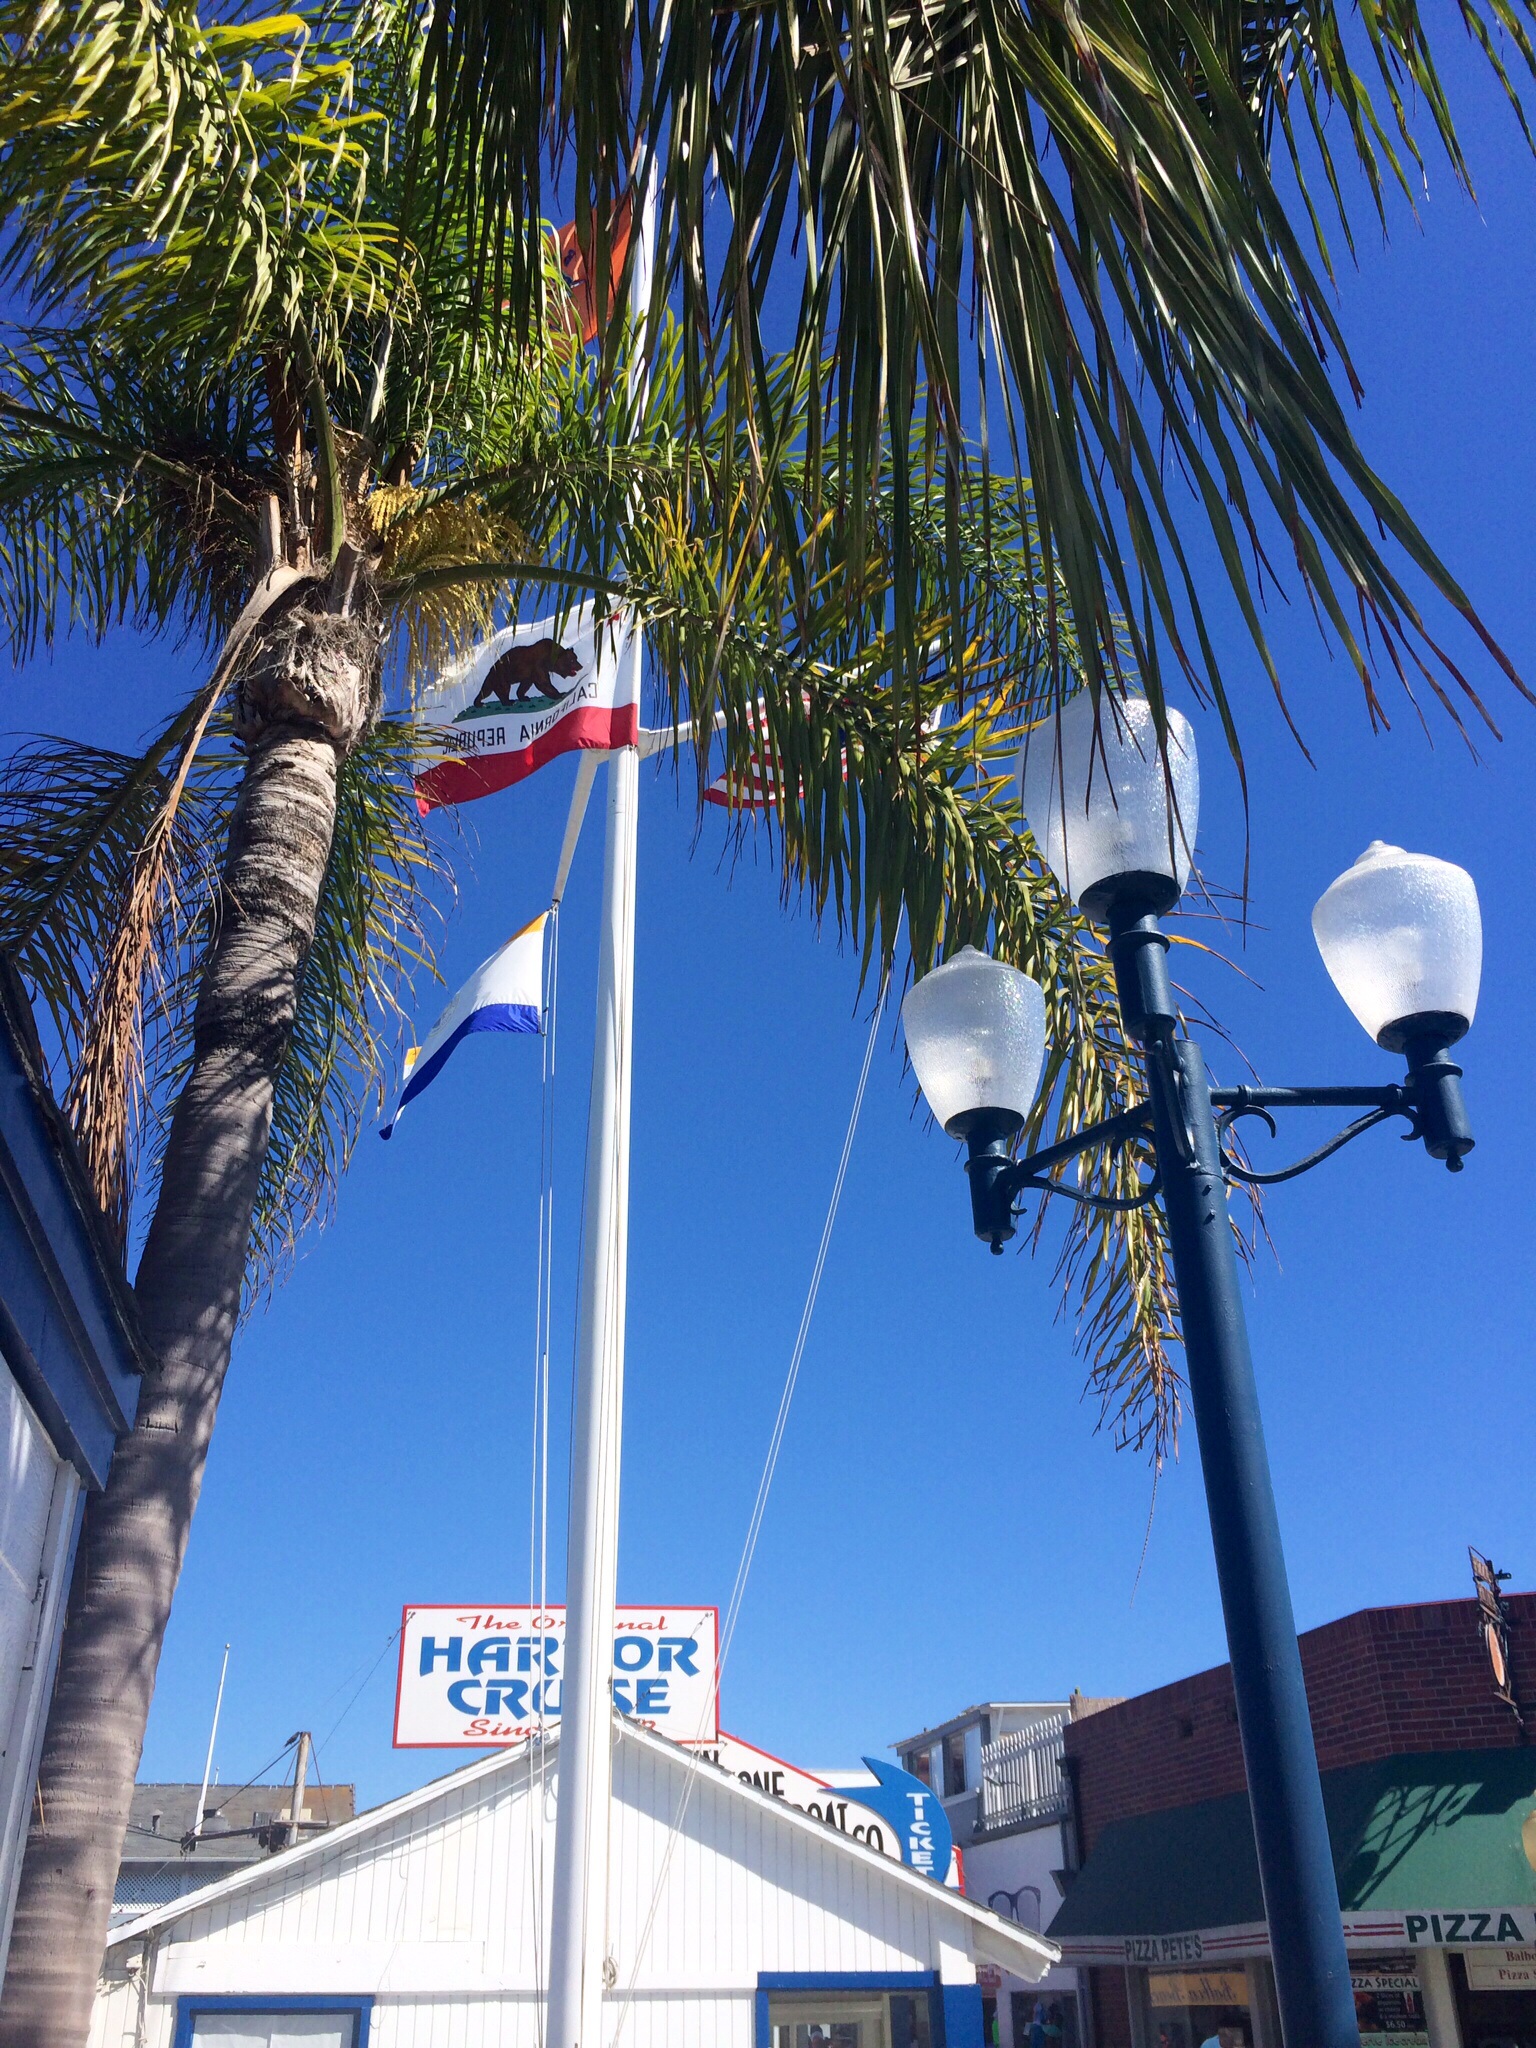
275	2029
954	1765
1188	2007
849	2019
917	1763
272	2023
1044	2023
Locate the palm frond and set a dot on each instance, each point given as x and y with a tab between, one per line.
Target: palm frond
903	839
194	182
78	826
1053	227
106	1084
421	532
126	496
498	94
893	820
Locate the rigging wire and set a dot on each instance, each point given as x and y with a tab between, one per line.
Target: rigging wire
389	1643
538	1507
257	1779
760	1504
183	1854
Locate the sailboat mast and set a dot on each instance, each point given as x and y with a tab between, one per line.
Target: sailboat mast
579	1893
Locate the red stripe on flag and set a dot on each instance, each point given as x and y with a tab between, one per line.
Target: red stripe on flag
461	781
752	791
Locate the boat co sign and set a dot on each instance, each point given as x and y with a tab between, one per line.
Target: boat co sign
894	1813
770	1774
485	1677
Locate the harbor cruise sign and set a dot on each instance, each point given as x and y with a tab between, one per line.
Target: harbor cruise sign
488	1677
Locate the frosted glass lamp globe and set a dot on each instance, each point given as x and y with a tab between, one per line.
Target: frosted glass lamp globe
975	1033
1402	937
1098	803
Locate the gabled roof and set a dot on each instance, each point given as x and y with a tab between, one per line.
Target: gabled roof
994	1939
162	1815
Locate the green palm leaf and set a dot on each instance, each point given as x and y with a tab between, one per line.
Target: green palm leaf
1056	223
127	133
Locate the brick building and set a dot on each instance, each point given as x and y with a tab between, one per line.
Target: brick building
1430	1789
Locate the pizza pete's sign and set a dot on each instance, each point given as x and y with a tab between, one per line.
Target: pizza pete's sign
486	1677
1494	1932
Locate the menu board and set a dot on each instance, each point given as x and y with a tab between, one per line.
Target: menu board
1180	1988
1389	2001
1500	1969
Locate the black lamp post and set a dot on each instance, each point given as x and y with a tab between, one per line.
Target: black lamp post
1401	936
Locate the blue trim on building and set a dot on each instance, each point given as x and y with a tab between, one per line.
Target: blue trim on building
962	2016
190	2006
797	1984
67	1325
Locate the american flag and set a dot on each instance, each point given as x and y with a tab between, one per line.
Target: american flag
755	787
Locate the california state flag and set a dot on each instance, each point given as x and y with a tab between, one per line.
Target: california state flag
526	695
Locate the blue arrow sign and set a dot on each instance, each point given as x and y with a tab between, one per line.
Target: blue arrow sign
920	1822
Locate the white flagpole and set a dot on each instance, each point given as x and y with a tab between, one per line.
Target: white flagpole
579	1894
213	1736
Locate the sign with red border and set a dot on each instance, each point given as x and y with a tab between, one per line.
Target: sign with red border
488	1677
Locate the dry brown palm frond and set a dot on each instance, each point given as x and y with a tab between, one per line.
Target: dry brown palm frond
418	531
106	1089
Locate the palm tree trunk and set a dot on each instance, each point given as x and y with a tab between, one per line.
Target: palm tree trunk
188	1288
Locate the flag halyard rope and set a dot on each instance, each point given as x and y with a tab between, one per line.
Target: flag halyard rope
759	1505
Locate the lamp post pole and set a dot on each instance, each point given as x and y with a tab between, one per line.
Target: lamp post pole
1112	802
1290	1830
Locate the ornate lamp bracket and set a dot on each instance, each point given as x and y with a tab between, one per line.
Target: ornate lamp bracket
1241	1102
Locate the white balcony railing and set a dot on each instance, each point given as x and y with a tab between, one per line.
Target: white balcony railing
1021	1777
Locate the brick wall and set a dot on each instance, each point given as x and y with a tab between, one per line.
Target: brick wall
1110	2019
1386	1681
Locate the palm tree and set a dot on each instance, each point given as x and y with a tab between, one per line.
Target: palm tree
266	411
1049	312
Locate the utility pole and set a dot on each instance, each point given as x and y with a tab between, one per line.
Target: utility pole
300	1780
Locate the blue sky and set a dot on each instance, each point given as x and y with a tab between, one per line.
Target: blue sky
946	1526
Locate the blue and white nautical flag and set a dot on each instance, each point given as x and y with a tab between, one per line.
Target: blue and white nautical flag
505	993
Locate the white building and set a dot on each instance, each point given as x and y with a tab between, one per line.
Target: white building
998	1768
70	1360
735	1921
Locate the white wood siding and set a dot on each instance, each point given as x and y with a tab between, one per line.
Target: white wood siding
441	1914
